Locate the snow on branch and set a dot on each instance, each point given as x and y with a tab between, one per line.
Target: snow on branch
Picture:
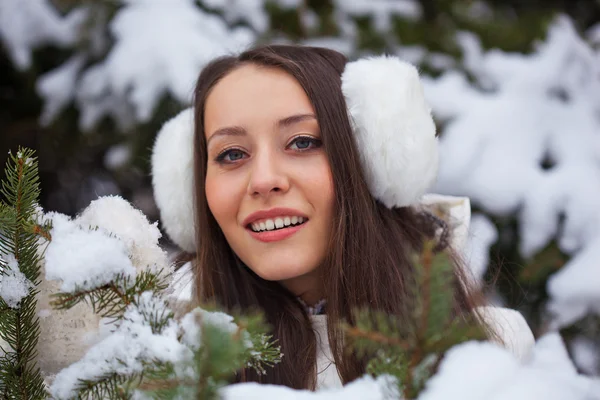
525	139
27	25
159	49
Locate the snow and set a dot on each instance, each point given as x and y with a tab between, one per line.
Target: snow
365	388
27	25
523	110
480	370
470	371
117	216
110	237
57	87
14	285
82	257
381	11
585	354
126	349
574	288
128	84
192	322
236	10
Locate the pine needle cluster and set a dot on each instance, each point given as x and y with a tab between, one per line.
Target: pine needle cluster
411	350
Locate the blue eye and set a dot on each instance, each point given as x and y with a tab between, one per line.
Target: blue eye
303	143
230	156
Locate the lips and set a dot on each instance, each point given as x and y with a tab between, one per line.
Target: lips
275	224
276	234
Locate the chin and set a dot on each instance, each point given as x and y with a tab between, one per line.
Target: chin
278	272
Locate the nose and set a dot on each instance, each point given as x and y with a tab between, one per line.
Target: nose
267	175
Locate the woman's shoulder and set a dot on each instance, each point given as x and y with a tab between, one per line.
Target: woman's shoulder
511	328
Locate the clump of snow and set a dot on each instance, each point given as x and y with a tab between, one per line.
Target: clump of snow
573	289
14	285
481	370
83	258
525	140
110	237
117	216
27	25
191	327
365	388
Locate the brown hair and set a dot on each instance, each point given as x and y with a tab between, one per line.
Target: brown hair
369	262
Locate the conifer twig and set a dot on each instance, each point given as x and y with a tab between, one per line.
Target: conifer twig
20	378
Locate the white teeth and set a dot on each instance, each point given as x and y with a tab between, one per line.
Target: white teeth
277	223
270	224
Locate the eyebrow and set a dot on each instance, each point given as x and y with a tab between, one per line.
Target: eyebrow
241	131
293	119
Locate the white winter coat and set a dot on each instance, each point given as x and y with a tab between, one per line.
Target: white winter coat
509	324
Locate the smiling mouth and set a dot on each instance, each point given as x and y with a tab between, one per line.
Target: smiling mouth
275	224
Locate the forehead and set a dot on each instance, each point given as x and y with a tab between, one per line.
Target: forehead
251	95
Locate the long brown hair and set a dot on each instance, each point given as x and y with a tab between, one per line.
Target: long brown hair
369	260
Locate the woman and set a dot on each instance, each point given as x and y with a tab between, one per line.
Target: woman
297	192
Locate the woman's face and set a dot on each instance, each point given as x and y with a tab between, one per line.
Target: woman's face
268	180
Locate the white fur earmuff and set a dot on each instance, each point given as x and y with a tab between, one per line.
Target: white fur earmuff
392	123
393	127
173	178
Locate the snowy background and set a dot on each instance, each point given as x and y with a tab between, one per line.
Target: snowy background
515	91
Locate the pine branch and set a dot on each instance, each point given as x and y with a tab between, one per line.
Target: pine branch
111	300
375	330
109	386
19	325
219	355
411	350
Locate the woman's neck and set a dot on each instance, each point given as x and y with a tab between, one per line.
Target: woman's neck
306	287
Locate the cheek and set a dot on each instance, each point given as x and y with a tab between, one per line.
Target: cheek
222	199
322	188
